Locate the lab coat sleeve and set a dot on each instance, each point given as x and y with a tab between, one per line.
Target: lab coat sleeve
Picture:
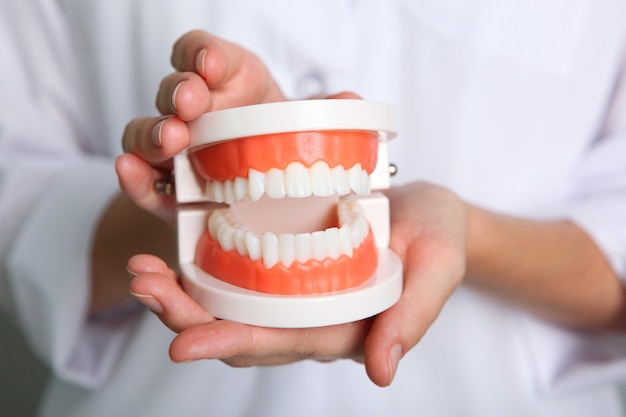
55	183
598	206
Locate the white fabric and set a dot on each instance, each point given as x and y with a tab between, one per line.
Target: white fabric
514	105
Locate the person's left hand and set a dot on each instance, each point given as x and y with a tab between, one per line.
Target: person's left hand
427	232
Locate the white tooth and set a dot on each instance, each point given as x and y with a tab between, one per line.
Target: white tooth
354	207
229	218
226	237
287	248
269	249
364	186
354	174
209	191
240	242
359	221
256	184
318	245
343	213
253	246
345	241
355	236
241	188
297	181
274	183
303	247
332	243
359	228
229	191
341	180
214	222
217	191
322	183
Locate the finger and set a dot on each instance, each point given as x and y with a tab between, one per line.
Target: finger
143	264
345	95
397	330
137	179
184	94
156	140
211	57
234	76
243	345
160	292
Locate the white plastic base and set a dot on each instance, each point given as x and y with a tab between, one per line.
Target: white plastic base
229	302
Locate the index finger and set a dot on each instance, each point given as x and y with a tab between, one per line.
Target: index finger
209	56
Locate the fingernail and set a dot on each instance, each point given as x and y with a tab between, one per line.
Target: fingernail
184	361
174	93
200	61
393	360
149	301
156	134
131	273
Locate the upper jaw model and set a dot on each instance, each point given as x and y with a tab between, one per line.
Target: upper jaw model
295	244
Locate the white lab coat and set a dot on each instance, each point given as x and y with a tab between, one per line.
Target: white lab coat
518	106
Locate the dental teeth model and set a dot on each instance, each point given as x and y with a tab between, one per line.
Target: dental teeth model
303	241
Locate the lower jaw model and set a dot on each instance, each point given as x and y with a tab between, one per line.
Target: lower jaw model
294	235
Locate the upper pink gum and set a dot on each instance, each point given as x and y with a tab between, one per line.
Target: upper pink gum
231	159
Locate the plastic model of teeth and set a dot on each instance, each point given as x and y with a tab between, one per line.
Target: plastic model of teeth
281	222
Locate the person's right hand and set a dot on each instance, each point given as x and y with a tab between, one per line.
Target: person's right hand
211	74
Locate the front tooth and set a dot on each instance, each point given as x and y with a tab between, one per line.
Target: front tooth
318	245
256	184
253	246
341	180
240	242
287	248
269	249
321	179
240	188
332	243
345	241
297	181
274	183
303	247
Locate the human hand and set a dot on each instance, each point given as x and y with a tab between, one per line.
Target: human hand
428	233
211	74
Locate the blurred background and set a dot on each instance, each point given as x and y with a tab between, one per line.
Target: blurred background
22	375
